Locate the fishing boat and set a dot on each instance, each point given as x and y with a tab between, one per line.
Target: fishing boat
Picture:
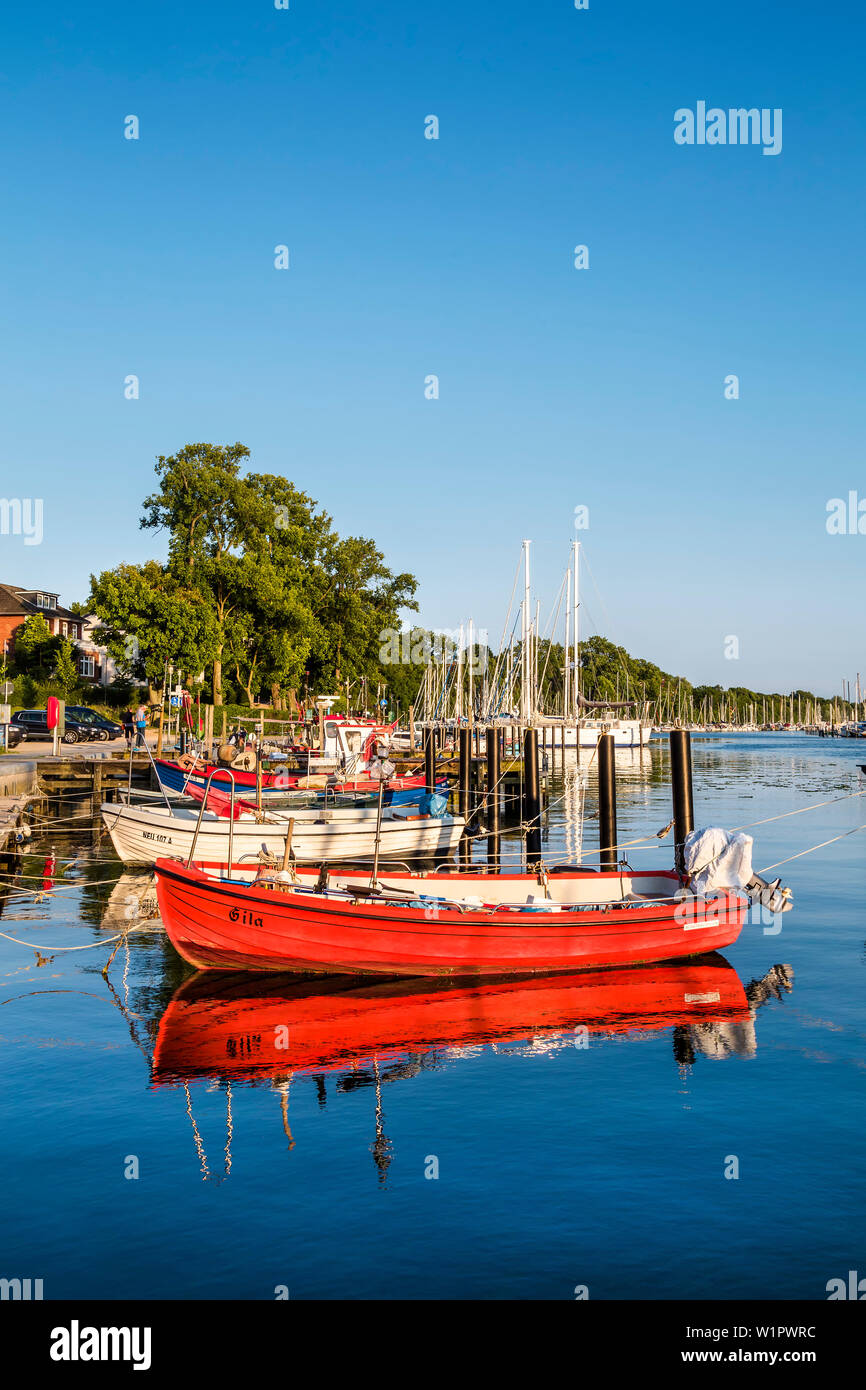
140	834
176	778
457	924
252	1026
350	749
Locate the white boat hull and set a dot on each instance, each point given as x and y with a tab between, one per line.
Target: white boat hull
141	835
627	733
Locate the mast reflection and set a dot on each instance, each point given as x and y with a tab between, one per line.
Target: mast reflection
224	1027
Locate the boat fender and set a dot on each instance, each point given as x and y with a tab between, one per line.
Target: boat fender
268	875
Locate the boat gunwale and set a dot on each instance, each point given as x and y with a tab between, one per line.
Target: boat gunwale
370	912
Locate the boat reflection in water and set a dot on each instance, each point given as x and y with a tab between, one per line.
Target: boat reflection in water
254	1027
727	1039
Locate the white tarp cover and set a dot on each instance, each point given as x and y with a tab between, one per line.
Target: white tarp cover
717	859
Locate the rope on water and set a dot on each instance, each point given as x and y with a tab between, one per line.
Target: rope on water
51	822
823	845
91	945
19	895
813	806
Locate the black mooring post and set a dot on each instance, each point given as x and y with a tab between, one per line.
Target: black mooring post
531	798
492	807
606	802
464	771
493	846
430	761
681	788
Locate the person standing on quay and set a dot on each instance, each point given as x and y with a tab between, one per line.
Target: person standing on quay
141	725
126	721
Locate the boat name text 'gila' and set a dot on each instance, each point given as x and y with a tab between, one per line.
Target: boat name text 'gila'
245	918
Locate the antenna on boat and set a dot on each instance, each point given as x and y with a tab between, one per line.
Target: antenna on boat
375	872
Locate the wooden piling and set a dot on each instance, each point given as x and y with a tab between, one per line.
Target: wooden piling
681	790
531	798
430	761
491	808
464	771
607	802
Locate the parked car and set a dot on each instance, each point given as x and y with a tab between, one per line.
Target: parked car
104	728
13	736
33	724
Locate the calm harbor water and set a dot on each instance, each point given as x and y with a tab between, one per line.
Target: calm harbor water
559	1165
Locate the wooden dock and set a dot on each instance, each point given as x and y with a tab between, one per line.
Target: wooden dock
98	776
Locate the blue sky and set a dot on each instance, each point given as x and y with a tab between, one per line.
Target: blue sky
410	257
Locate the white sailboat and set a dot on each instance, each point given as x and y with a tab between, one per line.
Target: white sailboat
584	721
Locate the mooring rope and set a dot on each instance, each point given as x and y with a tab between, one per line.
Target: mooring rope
91	945
13	894
50	822
823	845
813	806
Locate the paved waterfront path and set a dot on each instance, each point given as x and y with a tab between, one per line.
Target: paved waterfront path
113	748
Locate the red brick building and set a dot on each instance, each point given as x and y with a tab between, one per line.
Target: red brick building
17	605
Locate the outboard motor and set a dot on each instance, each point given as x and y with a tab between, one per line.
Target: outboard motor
770	895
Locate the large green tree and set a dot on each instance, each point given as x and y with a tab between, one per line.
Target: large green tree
35	647
171	620
286	593
209	512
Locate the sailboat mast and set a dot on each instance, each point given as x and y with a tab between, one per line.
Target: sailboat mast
536	628
566	699
575	545
471	675
524	641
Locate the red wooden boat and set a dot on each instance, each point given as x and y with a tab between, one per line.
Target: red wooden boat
233	1024
460	924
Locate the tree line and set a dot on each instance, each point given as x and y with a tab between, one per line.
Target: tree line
258	593
259	599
